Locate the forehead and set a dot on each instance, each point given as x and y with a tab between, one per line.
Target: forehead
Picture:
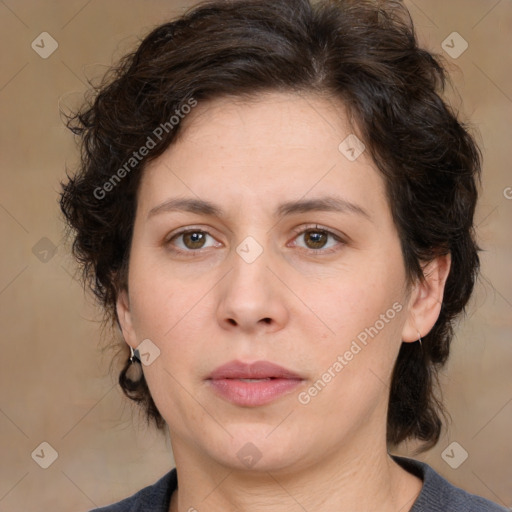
269	145
270	120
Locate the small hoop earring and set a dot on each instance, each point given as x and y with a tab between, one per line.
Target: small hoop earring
131	376
134	356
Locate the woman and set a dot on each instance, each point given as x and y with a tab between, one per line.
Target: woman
275	207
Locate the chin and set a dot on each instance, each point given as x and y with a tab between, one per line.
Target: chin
253	449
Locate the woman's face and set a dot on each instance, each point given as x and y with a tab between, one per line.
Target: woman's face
297	263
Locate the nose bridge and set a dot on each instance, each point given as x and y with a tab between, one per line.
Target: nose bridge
252	249
250	260
249	295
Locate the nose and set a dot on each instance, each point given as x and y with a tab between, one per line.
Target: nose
252	299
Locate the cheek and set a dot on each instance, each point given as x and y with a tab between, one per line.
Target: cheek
356	300
158	299
354	365
171	312
365	312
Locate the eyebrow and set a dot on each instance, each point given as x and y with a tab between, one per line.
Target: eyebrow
202	207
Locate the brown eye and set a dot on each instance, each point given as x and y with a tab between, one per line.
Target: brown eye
318	241
190	241
315	239
194	239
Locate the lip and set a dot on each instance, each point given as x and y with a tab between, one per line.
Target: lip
225	381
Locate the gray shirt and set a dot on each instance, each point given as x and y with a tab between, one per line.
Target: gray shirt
437	494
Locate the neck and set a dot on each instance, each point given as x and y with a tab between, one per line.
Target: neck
356	479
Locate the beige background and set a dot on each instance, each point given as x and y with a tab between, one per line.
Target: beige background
54	380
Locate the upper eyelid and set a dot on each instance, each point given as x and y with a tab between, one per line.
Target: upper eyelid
316	227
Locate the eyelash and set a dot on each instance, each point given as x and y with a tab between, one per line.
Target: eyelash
297	233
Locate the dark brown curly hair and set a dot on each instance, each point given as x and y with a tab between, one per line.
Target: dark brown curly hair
363	52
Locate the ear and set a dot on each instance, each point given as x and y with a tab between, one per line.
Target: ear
125	318
426	298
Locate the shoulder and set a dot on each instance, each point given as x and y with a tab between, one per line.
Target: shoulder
439	495
155	497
